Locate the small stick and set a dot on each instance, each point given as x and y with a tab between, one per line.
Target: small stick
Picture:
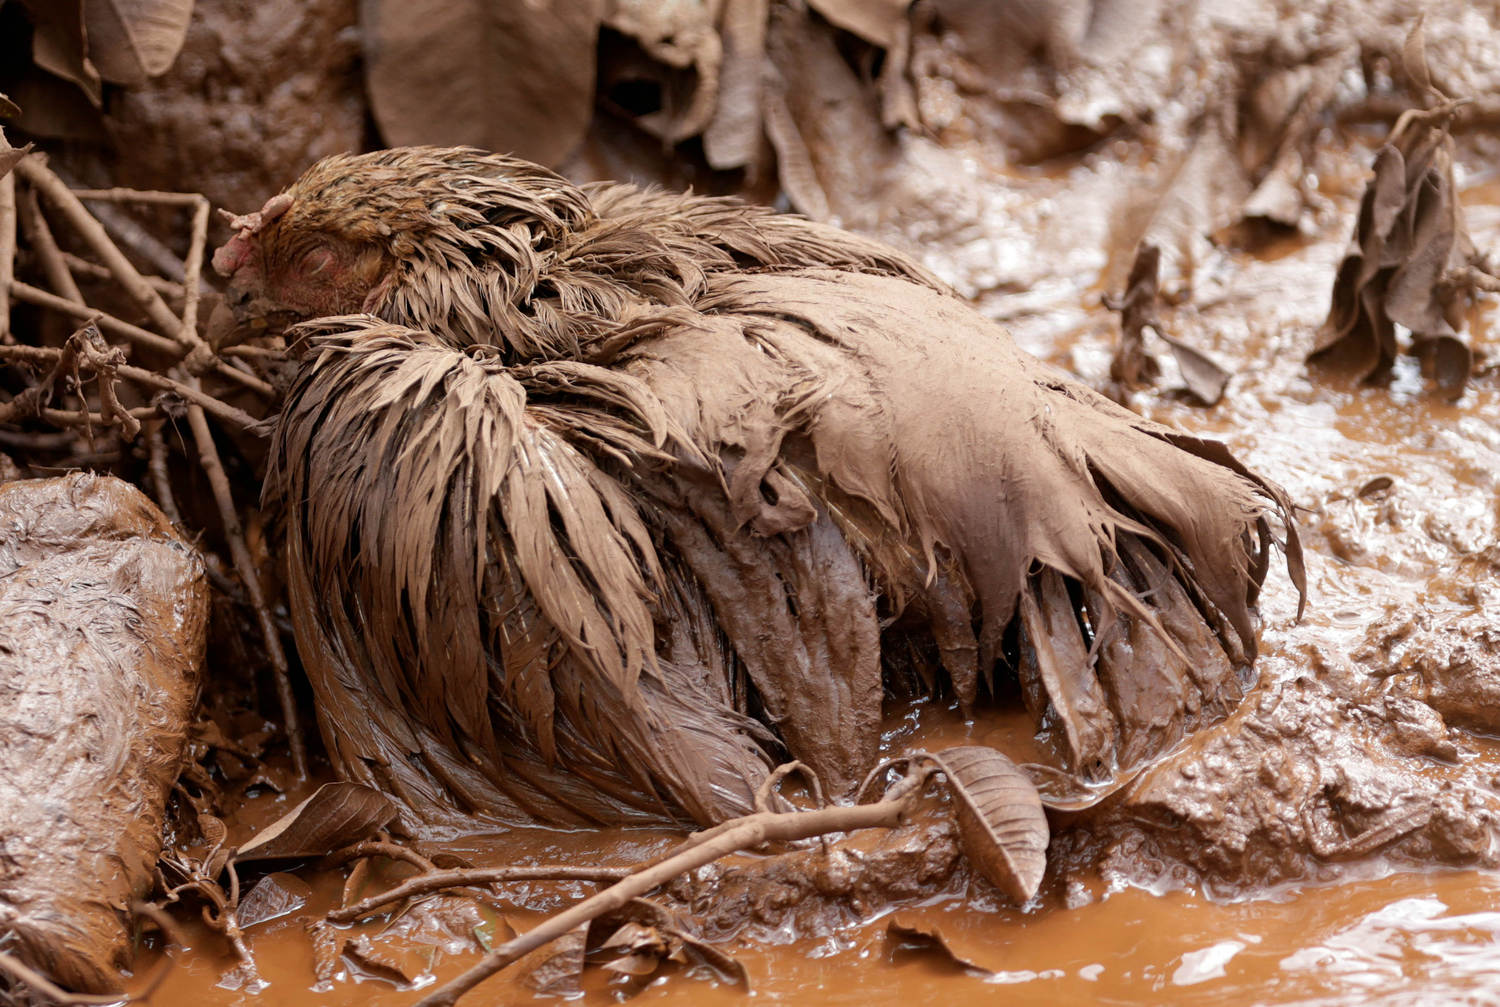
118	195
438	880
208	457
193	268
161	481
56	192
189	392
109	323
45	246
7	248
373	848
742	833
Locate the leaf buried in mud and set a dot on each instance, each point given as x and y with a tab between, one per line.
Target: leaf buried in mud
1001	823
335	815
914	931
130	41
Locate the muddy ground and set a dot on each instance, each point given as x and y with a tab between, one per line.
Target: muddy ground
1334	837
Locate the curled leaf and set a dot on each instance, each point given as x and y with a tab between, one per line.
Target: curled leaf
130	41
1001	824
335	815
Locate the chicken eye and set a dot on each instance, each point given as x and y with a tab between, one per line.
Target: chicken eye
317	260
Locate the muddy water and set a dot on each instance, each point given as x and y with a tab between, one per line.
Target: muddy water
1377	930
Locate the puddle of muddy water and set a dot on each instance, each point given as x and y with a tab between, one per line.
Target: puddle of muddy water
1373	931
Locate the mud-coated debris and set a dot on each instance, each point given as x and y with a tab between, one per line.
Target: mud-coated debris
642	936
333	816
1131	366
276	895
132	40
1000	820
1410	262
556	969
912	930
103	609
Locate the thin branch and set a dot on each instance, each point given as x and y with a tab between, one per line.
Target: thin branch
161	480
7	247
192	393
118	195
44	246
107	322
208	456
373	848
743	833
435	881
56	192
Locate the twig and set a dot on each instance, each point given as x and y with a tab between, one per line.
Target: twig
161	481
373	848
192	393
118	195
34	225
107	322
193	268
56	192
208	456
438	880
7	248
742	833
31	402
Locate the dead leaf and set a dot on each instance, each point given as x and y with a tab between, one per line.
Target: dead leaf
557	968
60	46
1410	262
1204	377
1131	366
131	41
274	896
504	77
8	108
879	22
373	962
644	934
335	815
914	931
1001	823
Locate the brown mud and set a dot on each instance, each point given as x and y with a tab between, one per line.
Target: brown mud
1332	839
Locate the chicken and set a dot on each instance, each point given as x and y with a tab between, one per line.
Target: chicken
600	501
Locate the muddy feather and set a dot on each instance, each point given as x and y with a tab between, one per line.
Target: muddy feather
600	501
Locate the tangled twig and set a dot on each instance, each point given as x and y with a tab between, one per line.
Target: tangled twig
731	837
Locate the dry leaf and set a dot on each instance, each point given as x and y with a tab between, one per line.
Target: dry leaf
131	41
1204	377
1132	366
1001	823
334	816
59	44
11	156
501	76
879	22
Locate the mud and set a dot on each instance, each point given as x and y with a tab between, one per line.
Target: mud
104	608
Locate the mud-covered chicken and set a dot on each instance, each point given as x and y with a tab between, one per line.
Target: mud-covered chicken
599	501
